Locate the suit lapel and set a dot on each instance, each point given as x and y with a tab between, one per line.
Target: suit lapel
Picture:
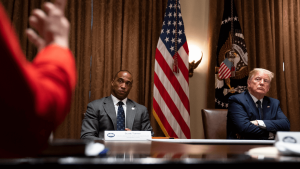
130	113
252	105
110	110
266	108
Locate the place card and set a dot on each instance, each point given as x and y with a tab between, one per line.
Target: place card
127	135
288	143
288	137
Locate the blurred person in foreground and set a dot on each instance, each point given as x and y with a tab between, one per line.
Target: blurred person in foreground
35	97
253	115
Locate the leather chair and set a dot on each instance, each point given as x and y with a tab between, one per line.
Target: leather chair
214	123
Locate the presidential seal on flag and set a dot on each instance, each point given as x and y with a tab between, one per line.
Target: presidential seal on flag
231	71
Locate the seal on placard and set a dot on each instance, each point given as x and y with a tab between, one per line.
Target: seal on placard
110	135
289	139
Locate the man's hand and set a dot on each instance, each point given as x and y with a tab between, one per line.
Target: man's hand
127	129
52	25
254	122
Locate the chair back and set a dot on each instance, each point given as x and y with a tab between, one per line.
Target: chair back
214	123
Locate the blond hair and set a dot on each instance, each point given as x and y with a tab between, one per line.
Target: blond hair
256	70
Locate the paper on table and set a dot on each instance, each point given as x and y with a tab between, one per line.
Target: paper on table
288	148
264	150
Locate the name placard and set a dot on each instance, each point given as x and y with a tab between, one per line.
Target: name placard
127	135
288	143
288	137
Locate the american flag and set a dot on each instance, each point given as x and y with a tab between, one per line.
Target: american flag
225	69
171	107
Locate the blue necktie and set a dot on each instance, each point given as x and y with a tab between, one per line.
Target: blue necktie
120	117
260	110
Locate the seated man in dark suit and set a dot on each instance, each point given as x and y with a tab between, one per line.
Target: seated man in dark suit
108	113
251	114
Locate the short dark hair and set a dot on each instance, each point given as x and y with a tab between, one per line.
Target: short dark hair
116	75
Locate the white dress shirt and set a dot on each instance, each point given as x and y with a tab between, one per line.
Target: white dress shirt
261	123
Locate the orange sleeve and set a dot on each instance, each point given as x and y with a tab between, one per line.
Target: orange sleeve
35	97
52	78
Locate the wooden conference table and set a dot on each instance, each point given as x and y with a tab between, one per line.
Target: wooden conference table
156	153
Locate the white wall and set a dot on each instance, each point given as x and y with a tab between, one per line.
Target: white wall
195	18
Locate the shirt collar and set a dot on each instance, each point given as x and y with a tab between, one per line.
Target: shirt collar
116	100
255	99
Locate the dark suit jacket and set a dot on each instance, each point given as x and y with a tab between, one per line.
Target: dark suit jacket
242	110
101	115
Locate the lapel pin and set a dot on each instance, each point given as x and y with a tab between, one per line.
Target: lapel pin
132	108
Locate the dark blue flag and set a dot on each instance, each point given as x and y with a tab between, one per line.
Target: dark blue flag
232	48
